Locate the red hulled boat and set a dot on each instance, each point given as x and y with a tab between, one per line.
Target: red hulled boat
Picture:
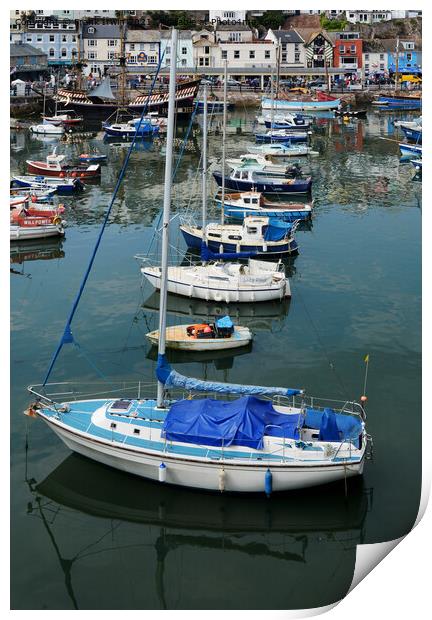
54	167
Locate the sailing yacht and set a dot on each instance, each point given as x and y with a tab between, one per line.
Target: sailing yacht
267	439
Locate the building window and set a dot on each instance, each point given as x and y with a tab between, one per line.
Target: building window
267	54
206	50
382	66
132	47
92	43
112	42
381	56
409	56
39	38
284	57
92	55
168	49
51	38
251	54
184	50
353	49
296	47
224	54
297	57
64	52
229	14
132	59
366	56
183	62
204	62
341	49
51	53
367	67
90	30
236	53
111	55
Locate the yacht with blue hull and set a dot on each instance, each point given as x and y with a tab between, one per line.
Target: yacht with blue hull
241	180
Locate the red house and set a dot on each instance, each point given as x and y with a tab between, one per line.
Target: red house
348	52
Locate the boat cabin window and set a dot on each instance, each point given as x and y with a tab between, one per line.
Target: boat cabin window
215	235
245	175
234	237
136	431
237	174
113	425
254	201
252	230
246	201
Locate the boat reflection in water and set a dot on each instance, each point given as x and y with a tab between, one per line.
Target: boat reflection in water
183	548
38	249
263	316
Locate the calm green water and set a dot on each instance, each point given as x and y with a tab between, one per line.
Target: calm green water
85	536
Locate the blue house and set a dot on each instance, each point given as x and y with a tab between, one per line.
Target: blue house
410	56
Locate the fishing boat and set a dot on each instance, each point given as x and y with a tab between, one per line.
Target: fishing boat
60	185
282	150
410	149
398	102
46	129
417	163
34	227
39	210
413	133
54	167
40	195
246	204
143	128
220	335
92	158
282	135
267	439
301	106
257	236
242	180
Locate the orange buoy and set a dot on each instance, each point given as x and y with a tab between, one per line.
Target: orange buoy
82	175
62	174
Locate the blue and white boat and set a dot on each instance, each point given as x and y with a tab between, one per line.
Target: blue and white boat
399	102
256	236
92	158
246	204
291	122
143	128
412	133
246	179
60	185
417	163
282	135
282	150
410	149
302	106
267	439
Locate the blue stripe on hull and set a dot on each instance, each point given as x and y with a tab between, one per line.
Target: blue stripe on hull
286	216
195	242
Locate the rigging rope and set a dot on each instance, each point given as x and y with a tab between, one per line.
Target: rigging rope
67	336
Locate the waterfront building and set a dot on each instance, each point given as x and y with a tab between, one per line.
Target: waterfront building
374	63
409	52
101	46
205	49
319	47
290	47
142	49
185	53
348	52
57	38
27	62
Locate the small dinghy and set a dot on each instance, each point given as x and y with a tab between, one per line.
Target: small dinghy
221	334
92	158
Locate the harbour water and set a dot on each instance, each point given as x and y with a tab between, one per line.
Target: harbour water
87	537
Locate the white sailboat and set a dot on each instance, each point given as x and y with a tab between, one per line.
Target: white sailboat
277	442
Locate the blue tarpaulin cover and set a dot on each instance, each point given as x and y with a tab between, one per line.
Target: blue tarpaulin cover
275	233
242	422
224	321
348	427
172	378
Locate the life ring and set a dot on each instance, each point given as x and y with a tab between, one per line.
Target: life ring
56	220
217	297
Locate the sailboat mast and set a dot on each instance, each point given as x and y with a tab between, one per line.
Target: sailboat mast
224	141
204	167
272	103
166	208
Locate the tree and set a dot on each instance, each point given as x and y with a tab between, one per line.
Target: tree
272	19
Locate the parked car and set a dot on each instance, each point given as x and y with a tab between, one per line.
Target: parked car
208	81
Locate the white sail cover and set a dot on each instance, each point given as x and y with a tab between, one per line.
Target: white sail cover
103	90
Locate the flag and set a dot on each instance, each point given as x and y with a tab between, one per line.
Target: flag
366	359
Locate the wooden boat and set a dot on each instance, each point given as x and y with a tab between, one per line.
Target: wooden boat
67	118
54	167
256	235
245	204
220	335
60	185
250	179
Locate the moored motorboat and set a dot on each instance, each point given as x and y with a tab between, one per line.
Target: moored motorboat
243	180
220	335
54	166
282	135
33	227
46	129
38	182
92	158
244	204
303	106
282	150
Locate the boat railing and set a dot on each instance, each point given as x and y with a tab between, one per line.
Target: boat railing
319	403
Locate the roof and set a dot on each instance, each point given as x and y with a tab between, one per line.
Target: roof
288	36
101	31
181	34
148	36
23	49
308	34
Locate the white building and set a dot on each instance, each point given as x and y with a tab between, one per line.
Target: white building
101	46
290	45
248	54
205	49
368	17
374	62
58	39
142	48
185	55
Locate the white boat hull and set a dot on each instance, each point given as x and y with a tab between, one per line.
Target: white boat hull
47	130
206	475
18	233
183	281
177	338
